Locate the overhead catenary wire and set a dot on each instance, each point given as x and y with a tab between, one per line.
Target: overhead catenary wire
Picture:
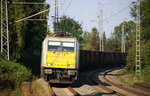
30	3
117	13
68	6
34	14
114	11
62	8
38	19
106	19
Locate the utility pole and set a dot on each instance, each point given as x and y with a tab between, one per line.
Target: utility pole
138	55
4	30
56	16
4	24
123	40
101	31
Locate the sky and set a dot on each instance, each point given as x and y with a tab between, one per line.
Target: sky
86	12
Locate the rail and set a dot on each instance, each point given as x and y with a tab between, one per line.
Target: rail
104	87
73	91
121	87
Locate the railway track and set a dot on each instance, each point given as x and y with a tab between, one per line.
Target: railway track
113	92
73	92
100	86
120	86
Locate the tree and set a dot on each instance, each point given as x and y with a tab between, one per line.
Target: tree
145	12
26	36
95	40
16	32
34	34
91	40
114	42
145	17
104	40
145	41
67	24
86	41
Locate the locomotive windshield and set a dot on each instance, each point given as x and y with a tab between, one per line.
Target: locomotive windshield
61	46
54	46
68	46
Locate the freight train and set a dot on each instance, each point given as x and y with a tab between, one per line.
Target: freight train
60	59
91	60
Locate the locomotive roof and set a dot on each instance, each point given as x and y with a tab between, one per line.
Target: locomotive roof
61	38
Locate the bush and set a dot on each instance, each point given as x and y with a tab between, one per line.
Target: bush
130	60
146	73
12	74
145	55
145	62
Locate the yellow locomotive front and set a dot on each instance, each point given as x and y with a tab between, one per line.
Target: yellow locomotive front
60	59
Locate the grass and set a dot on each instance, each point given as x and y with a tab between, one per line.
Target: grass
16	92
11	76
5	92
10	92
127	78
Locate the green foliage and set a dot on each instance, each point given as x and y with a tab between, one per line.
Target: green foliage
145	42
145	55
126	80
114	42
95	40
145	17
67	24
130	67
16	92
87	40
16	32
26	36
104	41
145	73
49	32
91	40
112	45
1	55
12	74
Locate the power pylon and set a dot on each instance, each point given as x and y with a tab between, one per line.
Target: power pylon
138	55
101	31
123	40
4	30
56	16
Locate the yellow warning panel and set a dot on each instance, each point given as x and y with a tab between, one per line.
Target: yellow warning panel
59	59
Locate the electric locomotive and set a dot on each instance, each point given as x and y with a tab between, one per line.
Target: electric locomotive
60	59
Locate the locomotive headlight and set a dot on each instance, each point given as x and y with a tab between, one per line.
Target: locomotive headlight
71	72
49	64
70	65
48	71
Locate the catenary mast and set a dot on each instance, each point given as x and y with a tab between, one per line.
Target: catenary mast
4	30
